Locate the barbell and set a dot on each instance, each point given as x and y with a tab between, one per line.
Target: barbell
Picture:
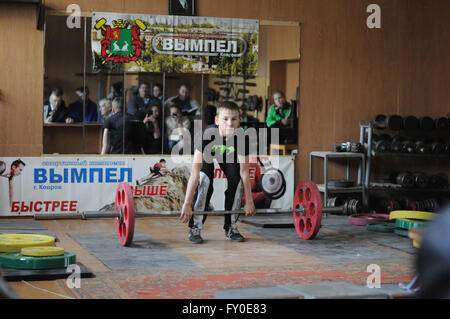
307	212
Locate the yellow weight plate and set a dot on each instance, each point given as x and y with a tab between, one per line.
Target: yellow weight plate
15	242
416	244
42	251
397	214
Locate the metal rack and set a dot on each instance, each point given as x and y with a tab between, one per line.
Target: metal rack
325	189
367	127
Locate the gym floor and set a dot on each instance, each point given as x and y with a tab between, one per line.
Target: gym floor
162	263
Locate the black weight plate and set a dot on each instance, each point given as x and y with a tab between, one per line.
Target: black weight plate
340	183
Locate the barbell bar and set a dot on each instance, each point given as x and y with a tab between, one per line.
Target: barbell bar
168	213
307	212
113	214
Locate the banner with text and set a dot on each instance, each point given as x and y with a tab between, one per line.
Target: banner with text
33	185
181	44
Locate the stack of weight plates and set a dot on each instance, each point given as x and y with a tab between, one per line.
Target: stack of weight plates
28	251
407	219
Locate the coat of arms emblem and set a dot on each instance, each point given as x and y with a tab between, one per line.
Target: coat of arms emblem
120	43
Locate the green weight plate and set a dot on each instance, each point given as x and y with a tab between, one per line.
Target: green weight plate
384	227
16	260
401	232
408	223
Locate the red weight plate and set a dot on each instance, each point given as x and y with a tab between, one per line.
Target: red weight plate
365	219
307	195
125	227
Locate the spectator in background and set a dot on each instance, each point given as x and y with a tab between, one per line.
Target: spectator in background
105	109
120	135
158	93
141	101
116	91
188	105
56	110
280	112
153	125
47	93
76	108
176	123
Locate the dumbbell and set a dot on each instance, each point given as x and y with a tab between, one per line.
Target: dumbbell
441	180
383	143
426	123
437	146
402	144
421	147
406	179
420	179
442	123
410	122
396	144
425	205
438	180
334	202
348	147
352	206
392	122
407	145
435	181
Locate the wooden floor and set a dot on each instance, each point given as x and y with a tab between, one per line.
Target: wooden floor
215	253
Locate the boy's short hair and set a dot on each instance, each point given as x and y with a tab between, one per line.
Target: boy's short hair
228	105
162	160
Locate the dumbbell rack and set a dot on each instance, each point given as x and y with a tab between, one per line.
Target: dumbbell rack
366	128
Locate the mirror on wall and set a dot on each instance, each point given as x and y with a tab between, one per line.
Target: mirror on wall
78	99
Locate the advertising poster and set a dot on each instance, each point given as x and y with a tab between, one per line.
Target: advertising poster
181	44
33	185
